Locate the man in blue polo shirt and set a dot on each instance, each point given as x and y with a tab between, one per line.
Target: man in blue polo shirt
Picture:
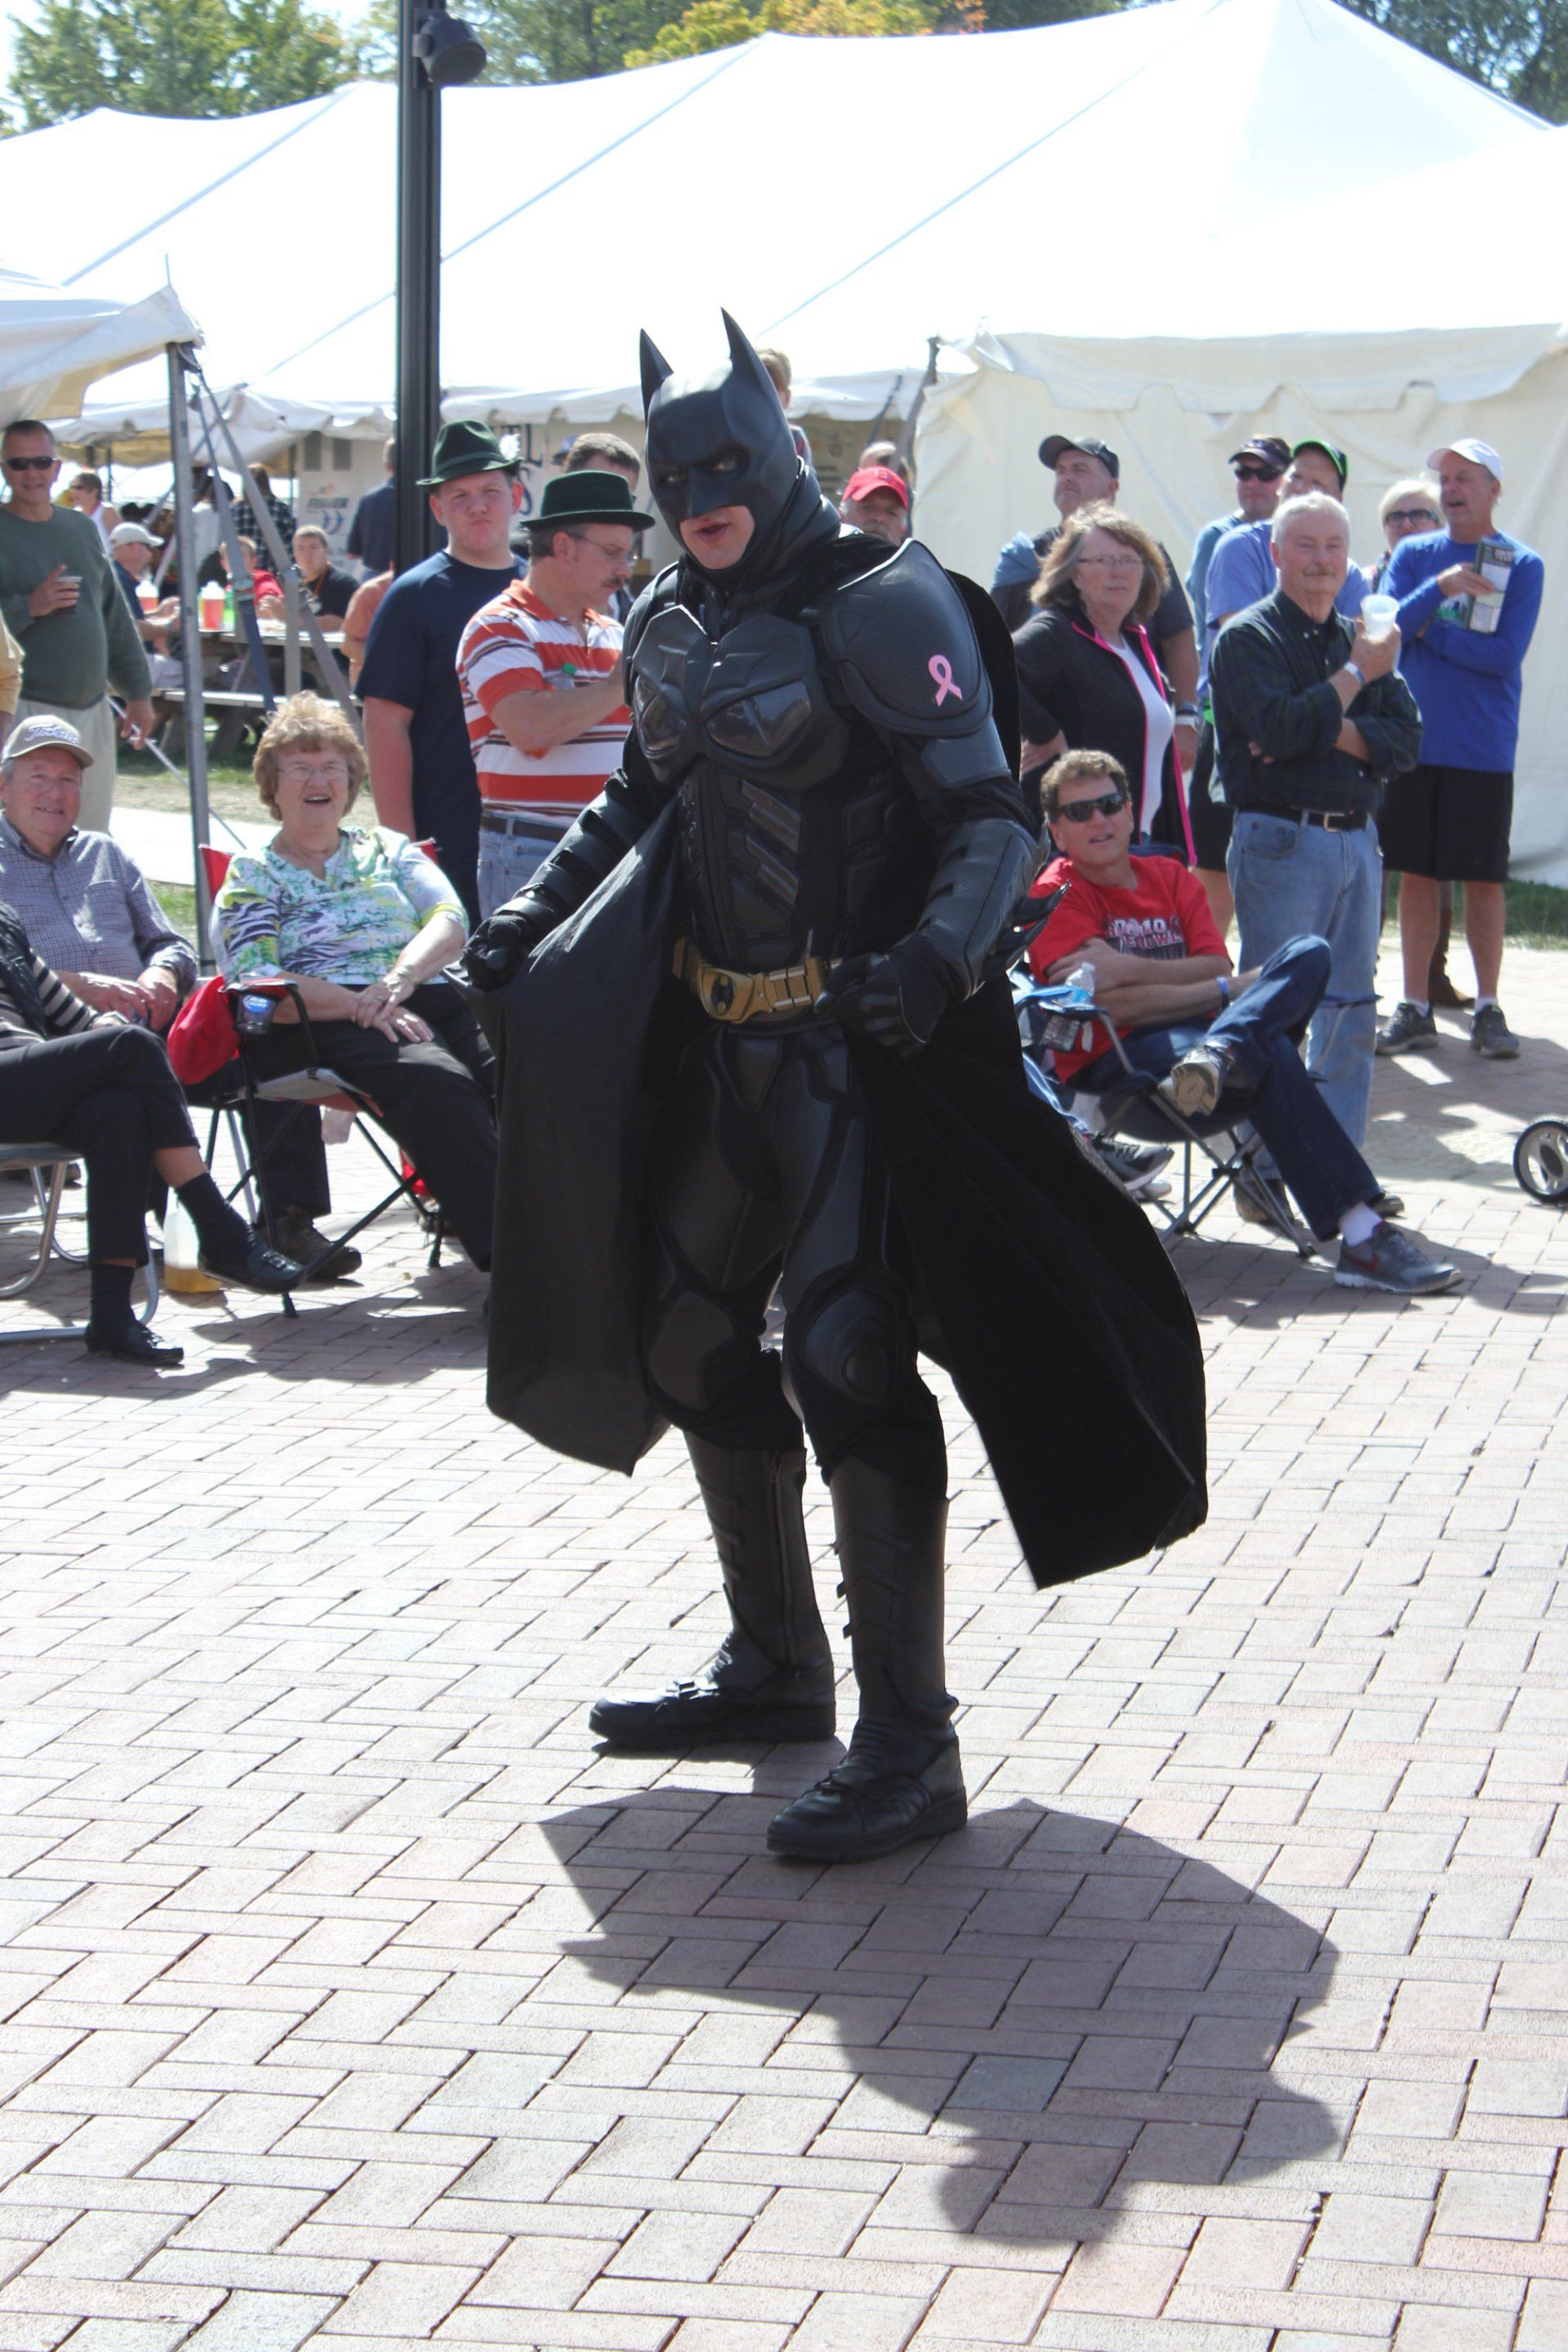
422	775
1449	820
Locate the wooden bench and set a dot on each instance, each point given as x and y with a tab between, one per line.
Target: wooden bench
237	709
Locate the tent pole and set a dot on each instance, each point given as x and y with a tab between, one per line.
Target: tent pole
418	287
181	358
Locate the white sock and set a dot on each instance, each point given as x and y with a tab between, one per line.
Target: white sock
1424	1007
1359	1223
1482	1002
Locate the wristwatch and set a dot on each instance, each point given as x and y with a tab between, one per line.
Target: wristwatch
1223	985
1189	711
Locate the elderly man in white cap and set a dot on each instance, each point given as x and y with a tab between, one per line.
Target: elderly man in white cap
1468	599
86	904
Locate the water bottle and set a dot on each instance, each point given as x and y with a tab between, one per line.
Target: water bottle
1080	985
253	1016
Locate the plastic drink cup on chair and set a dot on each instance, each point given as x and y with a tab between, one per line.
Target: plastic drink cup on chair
183	1256
1379	614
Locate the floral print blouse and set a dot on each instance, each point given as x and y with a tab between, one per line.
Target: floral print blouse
348	924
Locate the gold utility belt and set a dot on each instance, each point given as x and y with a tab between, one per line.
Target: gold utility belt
752	996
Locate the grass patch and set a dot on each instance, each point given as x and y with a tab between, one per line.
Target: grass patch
1537	913
144	783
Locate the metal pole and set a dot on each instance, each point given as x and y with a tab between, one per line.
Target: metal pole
181	358
418	287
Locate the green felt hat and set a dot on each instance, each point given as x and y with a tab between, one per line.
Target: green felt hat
465	448
588	497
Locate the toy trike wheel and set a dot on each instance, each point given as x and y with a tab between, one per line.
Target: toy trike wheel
1541	1161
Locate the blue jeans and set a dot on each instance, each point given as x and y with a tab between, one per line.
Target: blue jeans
1289	879
509	861
1269	1085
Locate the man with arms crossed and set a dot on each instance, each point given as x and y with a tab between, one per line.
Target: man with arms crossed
540	674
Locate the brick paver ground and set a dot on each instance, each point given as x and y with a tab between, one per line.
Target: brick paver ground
349	1996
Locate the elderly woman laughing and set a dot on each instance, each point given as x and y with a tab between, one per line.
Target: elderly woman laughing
363	923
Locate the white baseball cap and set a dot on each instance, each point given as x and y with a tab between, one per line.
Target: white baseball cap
1480	453
130	534
45	732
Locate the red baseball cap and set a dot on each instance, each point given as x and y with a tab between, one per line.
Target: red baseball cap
877	478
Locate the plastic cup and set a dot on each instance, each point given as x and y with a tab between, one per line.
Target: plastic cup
1379	614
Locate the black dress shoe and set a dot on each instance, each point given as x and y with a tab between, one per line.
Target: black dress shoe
895	1785
254	1266
135	1343
701	1714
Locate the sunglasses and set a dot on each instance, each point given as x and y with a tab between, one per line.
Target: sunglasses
28	465
1080	812
1259	473
1411	515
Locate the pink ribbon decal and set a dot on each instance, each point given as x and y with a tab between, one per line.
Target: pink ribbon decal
940	669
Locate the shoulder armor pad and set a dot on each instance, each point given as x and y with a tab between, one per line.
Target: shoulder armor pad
654	597
904	647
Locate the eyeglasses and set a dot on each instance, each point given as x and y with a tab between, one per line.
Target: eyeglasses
1128	562
1080	812
28	465
1259	473
1412	515
329	772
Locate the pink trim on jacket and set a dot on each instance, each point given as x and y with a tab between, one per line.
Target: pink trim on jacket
1151	664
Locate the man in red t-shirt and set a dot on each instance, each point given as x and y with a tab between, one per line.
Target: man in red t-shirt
1162	977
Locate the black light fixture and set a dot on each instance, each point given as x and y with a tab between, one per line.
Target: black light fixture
436	51
450	52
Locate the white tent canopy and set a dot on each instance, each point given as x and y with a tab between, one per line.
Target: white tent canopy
1170	224
52	343
952	223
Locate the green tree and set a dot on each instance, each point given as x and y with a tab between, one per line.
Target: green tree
190	57
1518	47
720	24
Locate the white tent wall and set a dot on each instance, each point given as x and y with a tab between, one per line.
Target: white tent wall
979	481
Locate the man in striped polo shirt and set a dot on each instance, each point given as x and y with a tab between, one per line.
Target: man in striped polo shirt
541	673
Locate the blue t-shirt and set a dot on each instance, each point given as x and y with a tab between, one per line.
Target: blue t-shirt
411	658
1208	539
374	528
1466	685
1243	573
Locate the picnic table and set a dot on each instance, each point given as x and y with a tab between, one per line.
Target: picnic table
228	687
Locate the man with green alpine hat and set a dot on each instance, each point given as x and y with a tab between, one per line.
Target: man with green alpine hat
540	668
421	769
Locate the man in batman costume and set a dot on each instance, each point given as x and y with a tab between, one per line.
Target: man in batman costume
748	1034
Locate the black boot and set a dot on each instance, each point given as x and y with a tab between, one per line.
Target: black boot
773	1679
902	1778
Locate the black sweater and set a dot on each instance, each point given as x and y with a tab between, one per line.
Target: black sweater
1072	683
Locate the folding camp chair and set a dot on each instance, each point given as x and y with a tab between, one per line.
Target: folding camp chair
1218	1152
237	1091
47	1163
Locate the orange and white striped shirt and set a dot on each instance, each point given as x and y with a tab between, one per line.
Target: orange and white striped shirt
519	644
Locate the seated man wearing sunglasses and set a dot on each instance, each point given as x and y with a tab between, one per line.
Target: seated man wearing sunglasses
1162	977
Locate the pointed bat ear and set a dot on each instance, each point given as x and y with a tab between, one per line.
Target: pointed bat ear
656	369
742	356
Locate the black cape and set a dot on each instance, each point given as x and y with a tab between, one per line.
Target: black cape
1042	1288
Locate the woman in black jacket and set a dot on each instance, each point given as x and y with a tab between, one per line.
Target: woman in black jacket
1087	677
105	1090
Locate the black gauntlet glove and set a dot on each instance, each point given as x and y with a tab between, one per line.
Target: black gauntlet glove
895	999
503	944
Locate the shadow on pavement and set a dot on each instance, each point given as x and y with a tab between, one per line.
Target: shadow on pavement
1040	2018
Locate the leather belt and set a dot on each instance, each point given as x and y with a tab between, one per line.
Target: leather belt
752	996
495	820
1331	820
